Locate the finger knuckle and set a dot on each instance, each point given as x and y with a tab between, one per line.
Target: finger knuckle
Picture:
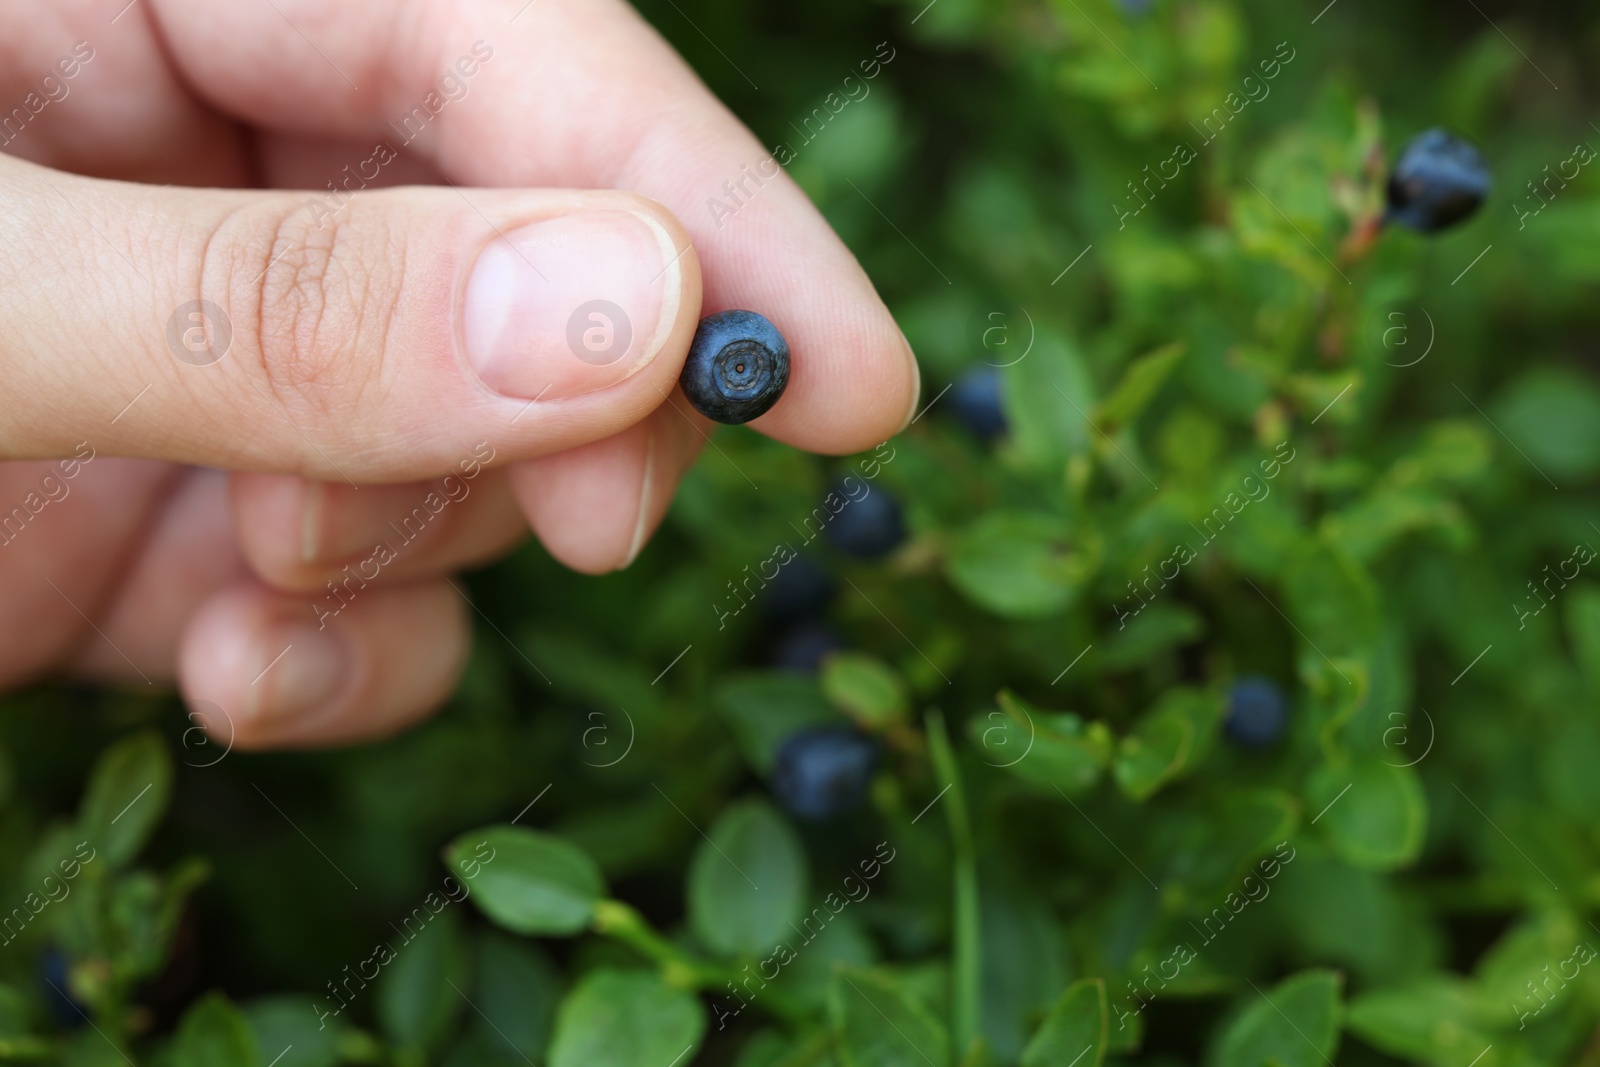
322	289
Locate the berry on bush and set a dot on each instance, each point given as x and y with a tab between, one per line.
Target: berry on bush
1438	181
867	527
824	772
802	647
975	399
1256	712
738	367
53	976
801	590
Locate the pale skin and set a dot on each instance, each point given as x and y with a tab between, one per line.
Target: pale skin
191	548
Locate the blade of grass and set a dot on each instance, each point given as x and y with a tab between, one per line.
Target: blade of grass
966	988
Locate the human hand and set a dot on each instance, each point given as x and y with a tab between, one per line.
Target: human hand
365	354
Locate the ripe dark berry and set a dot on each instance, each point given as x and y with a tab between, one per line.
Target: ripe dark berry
801	590
866	527
1438	181
802	648
53	968
824	772
975	399
738	367
1256	712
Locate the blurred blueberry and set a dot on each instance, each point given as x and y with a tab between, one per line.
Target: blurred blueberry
1438	181
801	590
1256	712
802	647
823	772
866	527
976	401
1136	7
53	968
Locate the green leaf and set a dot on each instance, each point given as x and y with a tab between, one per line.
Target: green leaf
589	670
747	881
1025	963
13	1014
1140	382
1453	453
1545	948
1128	1035
515	993
1018	564
1294	1024
526	881
879	1024
419	994
1347	916
1048	394
89	1049
1044	748
1567	766
1167	742
1583	628
618	1018
1077	1023
1553	415
1156	629
214	1033
1373	814
979	1054
766	1049
1437	1020
1375	524
145	910
1332	601
1318	392
126	797
623	837
866	689
289	1027
808	975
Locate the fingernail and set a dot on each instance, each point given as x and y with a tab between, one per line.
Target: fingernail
572	304
302	670
311	497
339	525
916	374
641	525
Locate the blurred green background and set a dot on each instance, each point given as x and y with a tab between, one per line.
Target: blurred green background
1430	818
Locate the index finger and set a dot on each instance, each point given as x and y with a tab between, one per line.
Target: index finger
561	93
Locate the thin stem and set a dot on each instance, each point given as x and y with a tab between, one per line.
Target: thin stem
615	919
967	990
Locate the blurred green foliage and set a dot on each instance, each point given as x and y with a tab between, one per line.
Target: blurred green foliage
1088	873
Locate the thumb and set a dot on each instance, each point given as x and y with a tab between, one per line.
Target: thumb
376	336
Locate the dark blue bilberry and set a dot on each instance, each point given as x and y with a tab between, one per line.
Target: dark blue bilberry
738	367
975	399
801	590
1257	711
803	647
1136	7
867	526
53	968
823	772
1438	181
